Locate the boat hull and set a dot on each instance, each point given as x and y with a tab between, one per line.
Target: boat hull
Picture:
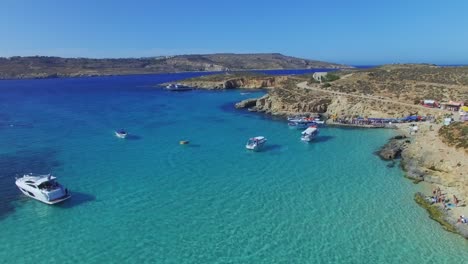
120	135
307	139
179	89
39	196
309	134
256	146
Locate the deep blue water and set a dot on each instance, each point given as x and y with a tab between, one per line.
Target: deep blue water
149	199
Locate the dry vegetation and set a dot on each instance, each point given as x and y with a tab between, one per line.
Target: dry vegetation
455	134
406	83
49	67
226	76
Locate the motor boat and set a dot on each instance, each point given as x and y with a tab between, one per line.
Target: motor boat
43	188
304	121
309	134
256	143
177	87
121	133
301	124
318	121
297	118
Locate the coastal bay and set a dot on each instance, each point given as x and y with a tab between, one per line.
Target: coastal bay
389	91
149	198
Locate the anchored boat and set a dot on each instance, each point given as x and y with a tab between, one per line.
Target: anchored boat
121	133
256	143
177	87
309	134
301	122
43	188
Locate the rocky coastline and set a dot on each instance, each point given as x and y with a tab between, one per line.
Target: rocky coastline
425	158
386	92
423	155
235	81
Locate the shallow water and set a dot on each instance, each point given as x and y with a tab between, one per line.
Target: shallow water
149	199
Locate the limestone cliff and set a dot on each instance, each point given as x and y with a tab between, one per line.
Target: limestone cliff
428	158
292	100
275	105
235	81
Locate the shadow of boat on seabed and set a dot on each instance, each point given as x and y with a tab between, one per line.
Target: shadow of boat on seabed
323	138
133	137
271	147
76	199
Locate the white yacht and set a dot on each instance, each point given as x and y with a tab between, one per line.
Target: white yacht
43	188
256	143
177	87
309	134
121	133
318	121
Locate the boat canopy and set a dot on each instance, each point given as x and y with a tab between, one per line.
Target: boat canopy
309	130
258	138
39	179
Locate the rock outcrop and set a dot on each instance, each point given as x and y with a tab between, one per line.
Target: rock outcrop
247	103
271	104
227	81
393	149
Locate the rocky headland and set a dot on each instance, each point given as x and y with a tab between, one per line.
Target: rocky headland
236	80
389	91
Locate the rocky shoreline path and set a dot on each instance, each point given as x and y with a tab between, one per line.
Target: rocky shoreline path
304	85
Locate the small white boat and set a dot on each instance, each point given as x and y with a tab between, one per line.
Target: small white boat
304	120
300	124
43	188
318	121
121	133
256	143
309	134
177	87
297	118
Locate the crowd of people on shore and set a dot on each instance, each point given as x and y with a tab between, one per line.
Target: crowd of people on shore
440	198
358	122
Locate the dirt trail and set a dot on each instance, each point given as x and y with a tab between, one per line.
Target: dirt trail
304	85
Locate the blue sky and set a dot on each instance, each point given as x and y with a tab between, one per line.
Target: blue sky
352	32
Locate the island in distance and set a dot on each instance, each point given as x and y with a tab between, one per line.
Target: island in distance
55	67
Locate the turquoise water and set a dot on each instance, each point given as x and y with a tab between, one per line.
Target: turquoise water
148	199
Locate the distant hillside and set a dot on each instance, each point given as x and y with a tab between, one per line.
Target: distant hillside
51	67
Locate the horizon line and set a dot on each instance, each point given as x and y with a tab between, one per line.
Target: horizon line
227	53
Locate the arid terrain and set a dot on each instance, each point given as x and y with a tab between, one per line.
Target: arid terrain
52	67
